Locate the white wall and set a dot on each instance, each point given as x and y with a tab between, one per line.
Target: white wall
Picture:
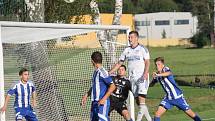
172	30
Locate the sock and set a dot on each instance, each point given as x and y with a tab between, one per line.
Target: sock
143	110
129	120
197	118
156	118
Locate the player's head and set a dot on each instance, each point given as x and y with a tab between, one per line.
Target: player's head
133	37
24	74
159	63
96	58
122	70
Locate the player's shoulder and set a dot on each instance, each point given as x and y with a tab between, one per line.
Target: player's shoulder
143	48
30	83
166	68
103	72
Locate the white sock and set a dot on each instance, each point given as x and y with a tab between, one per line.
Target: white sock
143	110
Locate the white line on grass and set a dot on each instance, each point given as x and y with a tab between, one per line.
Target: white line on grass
208	119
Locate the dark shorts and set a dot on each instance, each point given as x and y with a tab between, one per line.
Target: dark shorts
117	105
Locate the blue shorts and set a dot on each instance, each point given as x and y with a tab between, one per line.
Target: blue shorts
26	113
180	103
100	112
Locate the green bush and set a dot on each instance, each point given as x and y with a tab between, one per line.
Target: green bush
200	40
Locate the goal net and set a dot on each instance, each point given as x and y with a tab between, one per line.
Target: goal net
58	56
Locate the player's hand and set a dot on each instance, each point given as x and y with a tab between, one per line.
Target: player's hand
145	76
84	100
154	75
3	109
102	101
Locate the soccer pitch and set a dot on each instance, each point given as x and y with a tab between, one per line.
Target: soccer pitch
73	71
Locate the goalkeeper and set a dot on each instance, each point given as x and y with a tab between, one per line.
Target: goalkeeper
119	96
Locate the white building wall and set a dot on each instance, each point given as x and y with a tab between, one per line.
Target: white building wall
172	31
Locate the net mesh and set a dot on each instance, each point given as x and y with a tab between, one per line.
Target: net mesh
61	70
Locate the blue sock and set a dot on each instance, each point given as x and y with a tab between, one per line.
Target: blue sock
197	118
129	120
156	118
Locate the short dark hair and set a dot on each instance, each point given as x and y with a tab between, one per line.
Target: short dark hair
22	70
123	67
159	59
134	32
96	57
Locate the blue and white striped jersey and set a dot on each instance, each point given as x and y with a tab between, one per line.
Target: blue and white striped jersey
22	94
169	85
100	84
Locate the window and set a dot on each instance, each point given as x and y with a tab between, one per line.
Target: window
181	22
162	22
142	23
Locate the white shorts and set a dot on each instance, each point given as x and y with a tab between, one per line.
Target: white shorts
139	86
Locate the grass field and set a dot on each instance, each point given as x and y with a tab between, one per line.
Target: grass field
73	69
201	101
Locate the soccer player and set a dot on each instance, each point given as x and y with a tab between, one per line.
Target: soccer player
119	96
174	95
23	90
102	87
138	68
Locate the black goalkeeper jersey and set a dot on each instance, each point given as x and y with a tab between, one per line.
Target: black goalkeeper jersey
122	88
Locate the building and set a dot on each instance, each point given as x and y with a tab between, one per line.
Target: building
89	40
166	25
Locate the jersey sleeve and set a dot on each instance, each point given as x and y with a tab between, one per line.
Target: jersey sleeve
105	77
166	69
33	88
12	90
123	56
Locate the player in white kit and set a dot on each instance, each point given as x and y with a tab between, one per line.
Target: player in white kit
138	67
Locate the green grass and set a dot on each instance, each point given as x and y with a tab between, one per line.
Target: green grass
186	61
73	70
201	101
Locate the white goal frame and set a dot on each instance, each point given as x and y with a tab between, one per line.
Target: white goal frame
11	28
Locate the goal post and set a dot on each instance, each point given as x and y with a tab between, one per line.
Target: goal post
54	65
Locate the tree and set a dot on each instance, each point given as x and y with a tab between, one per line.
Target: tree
204	11
151	6
103	36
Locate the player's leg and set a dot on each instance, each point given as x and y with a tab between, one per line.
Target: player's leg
193	115
183	105
161	110
122	109
142	92
164	105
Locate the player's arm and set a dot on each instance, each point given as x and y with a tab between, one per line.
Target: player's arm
147	64
7	98
164	73
120	62
111	88
154	79
84	98
34	103
115	67
146	69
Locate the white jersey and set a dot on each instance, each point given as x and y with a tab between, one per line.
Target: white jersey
136	59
